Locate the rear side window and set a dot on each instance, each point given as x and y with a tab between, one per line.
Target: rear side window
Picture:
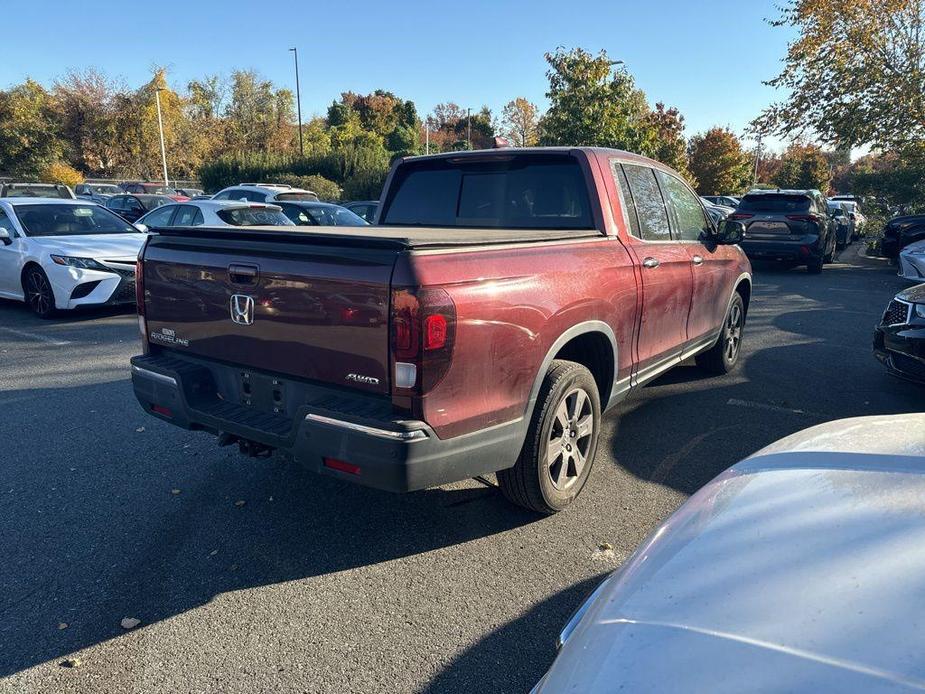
253	216
188	216
653	217
160	217
775	203
305	197
516	192
620	178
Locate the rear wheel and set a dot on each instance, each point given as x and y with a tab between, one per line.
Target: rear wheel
39	295
722	357
814	267
561	443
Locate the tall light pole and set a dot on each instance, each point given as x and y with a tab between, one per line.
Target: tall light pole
469	127
298	98
757	157
160	127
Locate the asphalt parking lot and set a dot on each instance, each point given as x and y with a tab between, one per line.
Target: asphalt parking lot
314	585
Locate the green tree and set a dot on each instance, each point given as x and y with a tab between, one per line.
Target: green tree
85	112
670	147
804	166
520	122
718	163
854	75
260	117
29	130
592	103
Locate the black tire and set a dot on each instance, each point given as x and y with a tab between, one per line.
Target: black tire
814	267
39	295
722	357
547	477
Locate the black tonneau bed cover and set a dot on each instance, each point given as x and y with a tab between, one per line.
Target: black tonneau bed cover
400	237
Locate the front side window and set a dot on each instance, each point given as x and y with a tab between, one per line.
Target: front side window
116	203
5	223
224	195
70	220
653	216
689	219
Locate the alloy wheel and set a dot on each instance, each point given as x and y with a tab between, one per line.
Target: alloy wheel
39	293
732	334
570	439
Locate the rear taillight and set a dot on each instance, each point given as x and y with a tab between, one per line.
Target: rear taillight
423	326
803	218
736	216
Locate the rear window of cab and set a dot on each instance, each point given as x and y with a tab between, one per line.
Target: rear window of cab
512	192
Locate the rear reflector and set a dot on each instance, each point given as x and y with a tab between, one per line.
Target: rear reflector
341	466
159	409
434	332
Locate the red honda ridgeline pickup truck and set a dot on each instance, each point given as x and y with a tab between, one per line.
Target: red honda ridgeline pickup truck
504	301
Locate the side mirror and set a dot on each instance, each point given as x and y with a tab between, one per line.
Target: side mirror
5	237
143	228
729	233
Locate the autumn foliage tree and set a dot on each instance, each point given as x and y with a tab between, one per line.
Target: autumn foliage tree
719	163
804	166
669	146
520	122
855	75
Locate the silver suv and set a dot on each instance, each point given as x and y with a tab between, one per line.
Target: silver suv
264	192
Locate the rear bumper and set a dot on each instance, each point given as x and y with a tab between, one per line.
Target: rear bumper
791	251
315	423
901	348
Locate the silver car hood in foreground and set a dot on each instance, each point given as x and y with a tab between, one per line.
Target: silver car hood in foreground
802	568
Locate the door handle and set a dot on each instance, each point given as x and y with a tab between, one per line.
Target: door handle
650	263
697	260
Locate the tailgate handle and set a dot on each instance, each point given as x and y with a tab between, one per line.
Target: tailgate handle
242	274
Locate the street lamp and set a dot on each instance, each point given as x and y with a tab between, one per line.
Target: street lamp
160	127
298	98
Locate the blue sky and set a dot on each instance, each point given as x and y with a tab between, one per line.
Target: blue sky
707	58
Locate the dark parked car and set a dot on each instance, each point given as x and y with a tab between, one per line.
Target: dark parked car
131	207
320	214
844	224
191	193
97	192
154	189
723	200
364	208
506	299
788	226
899	340
35	190
899	232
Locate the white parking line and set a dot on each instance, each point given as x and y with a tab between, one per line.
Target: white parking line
32	336
770	408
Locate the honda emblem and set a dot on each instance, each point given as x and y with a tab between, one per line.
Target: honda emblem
242	309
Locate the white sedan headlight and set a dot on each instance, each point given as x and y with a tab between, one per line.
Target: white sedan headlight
82	263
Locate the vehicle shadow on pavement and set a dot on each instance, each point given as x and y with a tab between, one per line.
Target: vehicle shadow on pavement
514	656
102	520
799	368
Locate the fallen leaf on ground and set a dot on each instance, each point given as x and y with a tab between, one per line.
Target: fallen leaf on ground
130	622
240	502
213	552
174	491
71	662
62	625
140	429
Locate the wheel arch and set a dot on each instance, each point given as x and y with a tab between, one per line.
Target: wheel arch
591	344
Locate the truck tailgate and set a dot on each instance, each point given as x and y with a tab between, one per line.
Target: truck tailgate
282	305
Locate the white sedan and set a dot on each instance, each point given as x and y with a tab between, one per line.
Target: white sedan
800	569
912	262
61	254
214	213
